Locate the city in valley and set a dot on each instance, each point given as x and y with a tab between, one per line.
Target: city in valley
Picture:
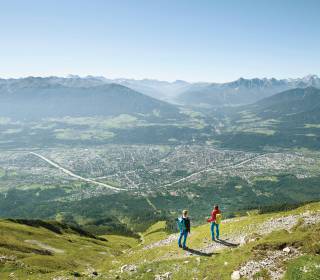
145	169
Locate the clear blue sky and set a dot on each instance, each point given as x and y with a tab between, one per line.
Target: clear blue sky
199	40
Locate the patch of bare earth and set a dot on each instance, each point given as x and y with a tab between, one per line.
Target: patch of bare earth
44	246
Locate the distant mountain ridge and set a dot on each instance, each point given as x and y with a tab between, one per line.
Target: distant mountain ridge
290	102
162	90
296	107
287	119
239	92
242	91
57	97
158	89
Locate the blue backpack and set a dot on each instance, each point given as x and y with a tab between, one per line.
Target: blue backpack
181	224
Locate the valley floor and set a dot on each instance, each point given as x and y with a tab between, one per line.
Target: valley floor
284	245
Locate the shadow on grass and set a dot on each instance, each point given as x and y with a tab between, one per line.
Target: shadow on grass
226	243
199	253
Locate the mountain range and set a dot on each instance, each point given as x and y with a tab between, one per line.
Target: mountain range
289	103
287	119
239	92
35	97
270	114
242	91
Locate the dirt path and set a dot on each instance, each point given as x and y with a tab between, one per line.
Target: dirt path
151	204
237	239
45	246
286	222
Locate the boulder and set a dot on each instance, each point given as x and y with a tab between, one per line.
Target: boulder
164	276
235	275
286	250
128	268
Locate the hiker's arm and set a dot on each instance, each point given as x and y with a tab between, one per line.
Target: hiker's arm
211	218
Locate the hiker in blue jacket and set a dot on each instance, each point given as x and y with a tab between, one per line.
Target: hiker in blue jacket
184	227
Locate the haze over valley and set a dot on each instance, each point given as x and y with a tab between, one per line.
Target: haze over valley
79	140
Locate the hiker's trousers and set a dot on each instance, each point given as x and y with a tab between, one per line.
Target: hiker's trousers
184	235
214	225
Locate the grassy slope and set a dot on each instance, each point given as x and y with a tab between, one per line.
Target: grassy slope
71	252
170	258
84	254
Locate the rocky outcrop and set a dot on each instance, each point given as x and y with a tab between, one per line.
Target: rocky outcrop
271	264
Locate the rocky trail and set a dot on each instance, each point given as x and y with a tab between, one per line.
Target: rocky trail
270	261
251	233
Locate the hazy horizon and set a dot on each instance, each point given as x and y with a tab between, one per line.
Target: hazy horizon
164	40
154	79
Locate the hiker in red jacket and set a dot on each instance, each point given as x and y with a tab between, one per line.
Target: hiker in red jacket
214	222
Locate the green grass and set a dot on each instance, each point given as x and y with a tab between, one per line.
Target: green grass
311	125
119	242
260	130
78	251
266	178
154	233
89	134
121	121
304	268
32	261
